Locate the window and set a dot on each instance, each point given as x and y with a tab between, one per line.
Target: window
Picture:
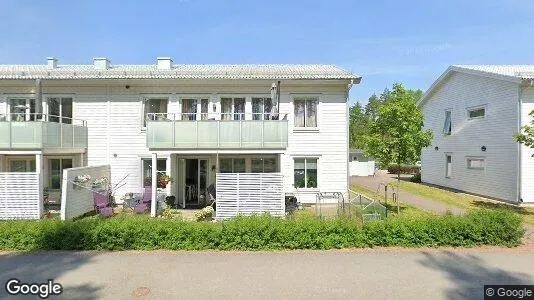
232	165
22	109
157	108
161	169
448	165
305	112
261	108
305	172
263	165
56	171
189	109
476	112
447	126
232	108
60	110
477	163
22	165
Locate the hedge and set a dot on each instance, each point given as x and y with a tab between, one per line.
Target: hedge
403	169
125	232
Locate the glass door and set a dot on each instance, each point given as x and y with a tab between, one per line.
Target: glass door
56	171
202	176
22	110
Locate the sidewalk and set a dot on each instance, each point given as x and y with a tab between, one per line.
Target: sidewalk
423	203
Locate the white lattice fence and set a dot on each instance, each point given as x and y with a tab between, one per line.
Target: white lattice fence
19	196
249	193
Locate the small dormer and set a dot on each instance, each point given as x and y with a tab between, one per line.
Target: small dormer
101	63
51	63
164	63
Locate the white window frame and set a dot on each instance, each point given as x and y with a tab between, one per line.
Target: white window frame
27	113
142	171
232	159
60	97
276	162
306	172
233	113
472	158
27	160
147	98
448	169
449	132
474	108
264	115
49	166
306	98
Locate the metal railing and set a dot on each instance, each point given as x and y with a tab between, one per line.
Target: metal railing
39	117
194	116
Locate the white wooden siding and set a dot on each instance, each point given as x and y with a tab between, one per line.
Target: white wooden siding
527	161
495	131
249	193
77	200
19	196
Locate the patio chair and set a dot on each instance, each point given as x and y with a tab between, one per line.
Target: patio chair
144	204
212	193
101	202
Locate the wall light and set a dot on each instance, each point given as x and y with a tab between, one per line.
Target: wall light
483	148
436	148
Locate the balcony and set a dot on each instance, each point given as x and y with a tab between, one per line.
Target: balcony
178	131
37	131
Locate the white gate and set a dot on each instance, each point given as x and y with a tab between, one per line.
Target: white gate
19	196
249	193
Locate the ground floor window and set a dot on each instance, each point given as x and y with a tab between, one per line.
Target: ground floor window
478	163
232	165
161	169
448	165
22	165
305	172
56	171
263	165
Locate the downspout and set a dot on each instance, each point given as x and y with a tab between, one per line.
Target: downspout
349	86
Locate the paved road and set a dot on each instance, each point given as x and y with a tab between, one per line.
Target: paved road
348	274
373	183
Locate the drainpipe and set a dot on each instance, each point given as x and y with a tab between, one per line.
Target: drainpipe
38	98
349	86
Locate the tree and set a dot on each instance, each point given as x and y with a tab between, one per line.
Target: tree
397	135
526	136
358	126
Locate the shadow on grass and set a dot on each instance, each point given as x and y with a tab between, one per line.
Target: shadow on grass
38	267
470	273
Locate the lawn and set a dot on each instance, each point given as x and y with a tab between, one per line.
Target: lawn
405	210
463	200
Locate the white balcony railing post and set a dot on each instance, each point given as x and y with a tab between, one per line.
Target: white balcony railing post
262	133
218	133
241	133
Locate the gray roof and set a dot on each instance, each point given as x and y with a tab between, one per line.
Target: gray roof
519	71
182	71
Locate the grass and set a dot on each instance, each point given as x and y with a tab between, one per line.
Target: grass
464	201
405	210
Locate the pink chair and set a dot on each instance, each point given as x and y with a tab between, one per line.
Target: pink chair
144	204
101	202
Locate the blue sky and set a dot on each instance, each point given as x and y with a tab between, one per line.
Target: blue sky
411	42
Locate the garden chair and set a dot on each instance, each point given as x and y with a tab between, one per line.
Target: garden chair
145	202
101	202
212	194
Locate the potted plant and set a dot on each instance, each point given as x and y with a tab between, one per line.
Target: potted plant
163	180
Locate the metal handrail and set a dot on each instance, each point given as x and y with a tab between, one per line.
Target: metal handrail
213	116
39	117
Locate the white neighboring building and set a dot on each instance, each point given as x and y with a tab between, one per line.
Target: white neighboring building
474	111
359	164
192	120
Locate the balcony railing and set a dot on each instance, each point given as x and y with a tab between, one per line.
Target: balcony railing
41	131
216	131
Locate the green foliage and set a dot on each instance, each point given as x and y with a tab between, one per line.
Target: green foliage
416	177
403	169
396	135
301	231
526	136
358	126
206	212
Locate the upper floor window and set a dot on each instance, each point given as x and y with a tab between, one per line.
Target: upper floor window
157	107
447	126
261	108
305	111
478	163
60	110
476	112
192	107
22	109
232	108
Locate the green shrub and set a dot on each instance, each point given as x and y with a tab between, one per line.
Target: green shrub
403	169
302	231
416	177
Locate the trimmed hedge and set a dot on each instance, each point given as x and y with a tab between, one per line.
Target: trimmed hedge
416	178
125	232
403	169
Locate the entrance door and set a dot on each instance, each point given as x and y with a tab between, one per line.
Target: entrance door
56	171
195	181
